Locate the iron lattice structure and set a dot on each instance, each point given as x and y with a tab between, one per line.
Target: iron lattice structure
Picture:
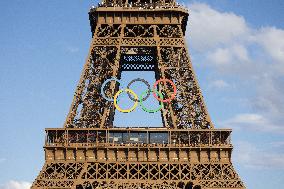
90	152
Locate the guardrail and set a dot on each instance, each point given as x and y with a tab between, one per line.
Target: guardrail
158	137
141	5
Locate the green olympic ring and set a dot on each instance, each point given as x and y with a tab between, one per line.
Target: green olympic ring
146	109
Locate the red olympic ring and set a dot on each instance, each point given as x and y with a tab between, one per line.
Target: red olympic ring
172	96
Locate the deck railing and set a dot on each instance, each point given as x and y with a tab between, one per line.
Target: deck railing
154	137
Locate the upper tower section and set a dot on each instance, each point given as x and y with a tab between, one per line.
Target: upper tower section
138	12
138	35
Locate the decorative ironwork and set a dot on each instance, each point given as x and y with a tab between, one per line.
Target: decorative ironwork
169	31
139	31
109	30
89	152
113	175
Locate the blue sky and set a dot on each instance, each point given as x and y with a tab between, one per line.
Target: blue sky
237	49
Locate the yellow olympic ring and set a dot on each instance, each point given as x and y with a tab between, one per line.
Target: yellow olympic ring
128	110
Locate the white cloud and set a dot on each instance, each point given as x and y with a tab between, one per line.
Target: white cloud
219	84
252	156
16	185
252	122
240	52
225	38
270	95
227	56
278	144
209	28
220	56
272	40
247	119
2	160
253	57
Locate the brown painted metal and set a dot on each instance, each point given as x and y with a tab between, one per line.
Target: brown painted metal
90	152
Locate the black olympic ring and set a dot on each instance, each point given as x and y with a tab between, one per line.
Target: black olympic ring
143	81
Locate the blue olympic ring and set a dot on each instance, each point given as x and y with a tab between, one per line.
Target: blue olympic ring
103	86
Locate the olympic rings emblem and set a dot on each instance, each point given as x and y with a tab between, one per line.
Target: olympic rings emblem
143	97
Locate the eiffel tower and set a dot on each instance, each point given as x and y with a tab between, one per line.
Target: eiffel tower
90	152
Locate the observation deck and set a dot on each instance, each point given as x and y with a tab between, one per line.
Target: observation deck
138	11
138	144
